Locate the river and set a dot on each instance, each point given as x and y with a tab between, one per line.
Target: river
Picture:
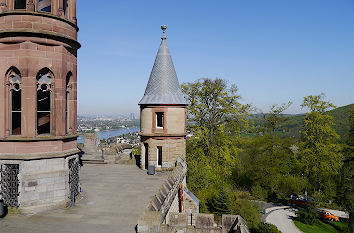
111	133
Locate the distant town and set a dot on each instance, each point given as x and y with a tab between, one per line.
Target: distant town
122	129
90	124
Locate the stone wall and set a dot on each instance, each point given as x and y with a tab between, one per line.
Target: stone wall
91	142
203	223
171	150
162	214
165	201
43	184
174	120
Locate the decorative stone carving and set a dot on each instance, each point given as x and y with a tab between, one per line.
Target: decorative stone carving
30	5
3	6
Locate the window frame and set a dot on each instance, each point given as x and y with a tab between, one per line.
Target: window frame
159	148
19	9
50	88
10	74
51	7
162	114
12	111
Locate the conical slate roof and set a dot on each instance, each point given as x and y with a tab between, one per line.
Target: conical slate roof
163	86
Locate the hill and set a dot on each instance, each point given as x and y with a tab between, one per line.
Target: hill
292	124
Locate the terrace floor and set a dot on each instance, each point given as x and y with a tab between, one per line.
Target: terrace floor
113	198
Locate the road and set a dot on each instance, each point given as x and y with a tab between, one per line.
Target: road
281	217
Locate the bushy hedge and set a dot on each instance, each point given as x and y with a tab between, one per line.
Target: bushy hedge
263	227
307	215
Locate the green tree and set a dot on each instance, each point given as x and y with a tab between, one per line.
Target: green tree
213	106
346	181
215	115
351	130
320	155
221	204
275	117
268	161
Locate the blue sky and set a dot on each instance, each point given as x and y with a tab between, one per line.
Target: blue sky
275	51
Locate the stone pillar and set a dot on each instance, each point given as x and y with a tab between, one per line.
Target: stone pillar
30	5
29	98
74	11
3	6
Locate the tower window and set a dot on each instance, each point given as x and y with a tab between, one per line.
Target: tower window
65	2
67	103
159	156
45	5
44	85
15	99
20	4
159	119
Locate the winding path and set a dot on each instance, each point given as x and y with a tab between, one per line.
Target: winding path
281	217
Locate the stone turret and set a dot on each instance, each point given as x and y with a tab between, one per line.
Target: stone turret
162	114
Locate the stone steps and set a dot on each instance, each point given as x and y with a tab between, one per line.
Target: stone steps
93	161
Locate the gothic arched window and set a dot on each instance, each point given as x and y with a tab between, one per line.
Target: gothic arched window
44	91
65	6
15	81
67	101
20	4
45	5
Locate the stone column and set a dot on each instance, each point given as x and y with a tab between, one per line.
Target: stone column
30	5
74	11
61	9
3	6
29	98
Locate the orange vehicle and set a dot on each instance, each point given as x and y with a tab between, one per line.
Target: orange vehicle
326	215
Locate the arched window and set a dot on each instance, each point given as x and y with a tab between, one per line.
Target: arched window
45	5
44	87
15	81
20	4
67	101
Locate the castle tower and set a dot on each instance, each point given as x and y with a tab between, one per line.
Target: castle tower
38	89
162	114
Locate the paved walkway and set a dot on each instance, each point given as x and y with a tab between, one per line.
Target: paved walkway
114	197
282	218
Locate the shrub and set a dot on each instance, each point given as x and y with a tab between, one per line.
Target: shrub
263	227
307	215
258	192
247	210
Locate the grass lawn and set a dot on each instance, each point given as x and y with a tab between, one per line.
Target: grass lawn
320	226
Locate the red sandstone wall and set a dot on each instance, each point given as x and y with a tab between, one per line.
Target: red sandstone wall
29	58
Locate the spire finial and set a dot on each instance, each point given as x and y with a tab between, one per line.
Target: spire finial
163	27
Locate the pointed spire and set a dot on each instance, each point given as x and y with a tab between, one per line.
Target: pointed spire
163	86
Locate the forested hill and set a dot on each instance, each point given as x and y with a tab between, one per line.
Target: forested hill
292	125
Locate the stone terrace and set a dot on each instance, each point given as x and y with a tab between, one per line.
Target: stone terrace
113	198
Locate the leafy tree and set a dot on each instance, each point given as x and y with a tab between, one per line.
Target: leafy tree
275	117
268	161
346	181
221	203
215	115
320	155
213	105
351	131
